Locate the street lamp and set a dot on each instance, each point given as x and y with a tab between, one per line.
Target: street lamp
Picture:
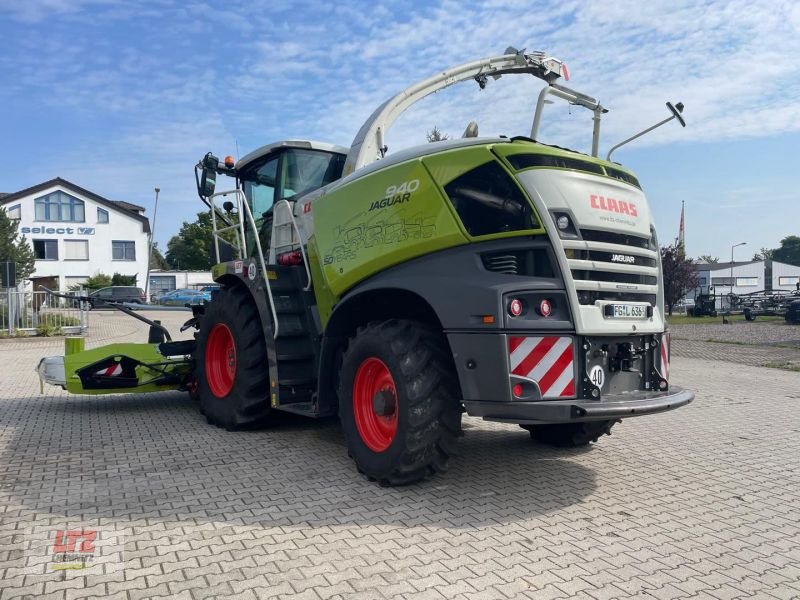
732	247
150	248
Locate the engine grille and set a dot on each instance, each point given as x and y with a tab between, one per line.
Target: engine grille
528	262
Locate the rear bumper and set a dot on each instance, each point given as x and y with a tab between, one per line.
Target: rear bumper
619	406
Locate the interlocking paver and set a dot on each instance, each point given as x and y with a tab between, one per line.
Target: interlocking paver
703	502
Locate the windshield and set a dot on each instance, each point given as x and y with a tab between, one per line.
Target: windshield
283	176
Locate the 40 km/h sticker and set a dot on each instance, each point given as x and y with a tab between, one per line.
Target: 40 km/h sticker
597	376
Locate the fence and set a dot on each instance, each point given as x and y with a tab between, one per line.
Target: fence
39	312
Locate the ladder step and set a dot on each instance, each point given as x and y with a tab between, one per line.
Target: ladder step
288	304
301	408
294	356
291	324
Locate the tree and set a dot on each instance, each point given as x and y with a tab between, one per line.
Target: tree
436	135
191	248
763	254
157	260
679	275
97	281
789	251
118	279
15	248
707	259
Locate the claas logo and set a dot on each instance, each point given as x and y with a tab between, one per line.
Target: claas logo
612	205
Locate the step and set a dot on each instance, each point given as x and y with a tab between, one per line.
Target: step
307	409
291	325
288	304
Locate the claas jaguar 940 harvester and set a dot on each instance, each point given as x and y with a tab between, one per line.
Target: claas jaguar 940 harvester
498	276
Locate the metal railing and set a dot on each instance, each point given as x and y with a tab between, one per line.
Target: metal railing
243	208
40	313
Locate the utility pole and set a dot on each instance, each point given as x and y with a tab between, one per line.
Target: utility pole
732	247
150	248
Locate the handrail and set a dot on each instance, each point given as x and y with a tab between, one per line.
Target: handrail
244	208
300	241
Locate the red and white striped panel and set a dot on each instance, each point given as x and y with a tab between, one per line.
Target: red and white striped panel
546	360
111	371
663	357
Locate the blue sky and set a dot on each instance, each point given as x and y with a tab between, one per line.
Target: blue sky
121	97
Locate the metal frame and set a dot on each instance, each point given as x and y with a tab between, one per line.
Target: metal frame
293	222
368	144
243	208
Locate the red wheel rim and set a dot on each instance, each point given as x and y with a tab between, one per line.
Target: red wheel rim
220	360
375	404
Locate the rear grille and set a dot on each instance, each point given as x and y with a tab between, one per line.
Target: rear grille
607	237
635	278
613	266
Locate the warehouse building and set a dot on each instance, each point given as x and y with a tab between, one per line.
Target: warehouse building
76	233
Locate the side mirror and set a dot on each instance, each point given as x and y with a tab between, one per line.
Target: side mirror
208	179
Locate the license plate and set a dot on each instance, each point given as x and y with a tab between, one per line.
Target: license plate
629	311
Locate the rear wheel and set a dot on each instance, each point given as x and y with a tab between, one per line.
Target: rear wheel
570	435
399	402
231	367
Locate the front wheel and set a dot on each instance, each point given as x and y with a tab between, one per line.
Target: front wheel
570	435
231	366
399	401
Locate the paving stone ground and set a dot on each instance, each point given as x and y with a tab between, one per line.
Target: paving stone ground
702	502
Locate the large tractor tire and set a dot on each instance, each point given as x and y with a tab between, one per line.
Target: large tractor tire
570	435
399	401
231	367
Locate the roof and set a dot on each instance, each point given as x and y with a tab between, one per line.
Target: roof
116	205
307	144
726	265
128	206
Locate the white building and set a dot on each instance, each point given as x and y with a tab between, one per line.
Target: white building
76	233
166	281
744	278
739	277
785	277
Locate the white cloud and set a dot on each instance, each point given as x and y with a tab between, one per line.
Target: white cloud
175	79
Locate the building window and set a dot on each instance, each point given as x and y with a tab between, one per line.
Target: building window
14	212
162	283
76	249
721	281
747	282
59	207
790	280
102	215
702	281
45	249
123	250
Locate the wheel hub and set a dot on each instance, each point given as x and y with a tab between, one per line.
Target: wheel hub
375	405
384	403
220	360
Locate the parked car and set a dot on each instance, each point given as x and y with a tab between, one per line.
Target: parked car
118	293
184	297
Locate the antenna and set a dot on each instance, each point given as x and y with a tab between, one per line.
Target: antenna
676	111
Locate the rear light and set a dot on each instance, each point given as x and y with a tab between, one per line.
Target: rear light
545	308
515	307
517	390
290	259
